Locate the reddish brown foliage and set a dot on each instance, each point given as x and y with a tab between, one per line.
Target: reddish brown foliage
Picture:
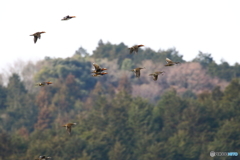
187	76
23	132
44	119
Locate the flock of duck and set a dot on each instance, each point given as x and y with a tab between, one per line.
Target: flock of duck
98	71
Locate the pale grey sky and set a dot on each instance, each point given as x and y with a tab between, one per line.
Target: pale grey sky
211	26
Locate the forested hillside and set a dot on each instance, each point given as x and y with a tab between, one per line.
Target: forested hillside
189	111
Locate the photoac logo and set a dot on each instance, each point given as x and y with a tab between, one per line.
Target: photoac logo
212	153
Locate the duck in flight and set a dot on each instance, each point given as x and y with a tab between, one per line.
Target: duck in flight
137	71
170	62
43	83
68	17
69	127
43	158
37	36
135	48
98	71
155	75
97	68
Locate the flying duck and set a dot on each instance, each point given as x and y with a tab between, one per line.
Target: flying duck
170	62
98	68
43	83
37	36
68	17
137	71
155	75
134	48
43	158
69	126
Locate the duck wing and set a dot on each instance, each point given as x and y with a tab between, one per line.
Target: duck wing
137	73
136	49
157	73
35	39
69	130
131	50
96	66
168	60
155	77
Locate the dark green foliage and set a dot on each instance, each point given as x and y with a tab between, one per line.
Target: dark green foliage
16	91
217	94
61	69
222	70
3	97
189	94
204	59
20	106
12	146
232	91
122	127
121	53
